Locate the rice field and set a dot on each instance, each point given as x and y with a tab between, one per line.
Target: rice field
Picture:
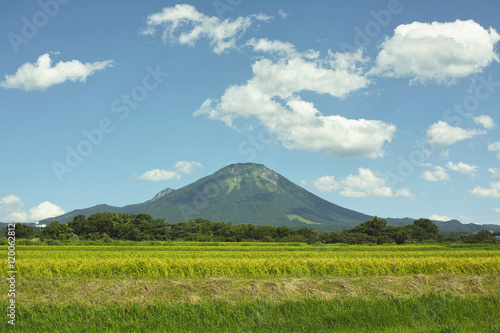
263	260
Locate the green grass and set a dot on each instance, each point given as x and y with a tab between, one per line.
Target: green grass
427	313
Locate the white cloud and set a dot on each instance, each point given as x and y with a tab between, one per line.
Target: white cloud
438	174
493	191
8	202
282	13
440	52
187	167
326	184
442	134
12	206
157	175
486	121
496	210
445	153
271	46
181	167
494	146
437	217
272	96
17	216
185	25
495	173
464	168
41	75
364	184
405	193
45	210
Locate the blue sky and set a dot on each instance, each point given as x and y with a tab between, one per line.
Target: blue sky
390	108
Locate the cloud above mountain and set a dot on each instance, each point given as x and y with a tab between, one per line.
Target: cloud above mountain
180	168
272	96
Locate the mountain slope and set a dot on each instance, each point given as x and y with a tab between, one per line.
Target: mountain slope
248	193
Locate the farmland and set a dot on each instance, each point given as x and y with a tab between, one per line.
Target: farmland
258	287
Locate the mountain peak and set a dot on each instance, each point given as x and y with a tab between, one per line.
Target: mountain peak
242	174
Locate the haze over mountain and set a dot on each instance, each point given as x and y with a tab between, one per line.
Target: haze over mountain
250	193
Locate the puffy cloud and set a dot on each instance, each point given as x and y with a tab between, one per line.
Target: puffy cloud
442	134
185	25
486	121
494	146
187	167
440	52
493	191
157	175
272	96
437	217
464	168
326	184
12	206
45	210
405	193
181	167
18	216
41	75
364	184
10	202
438	174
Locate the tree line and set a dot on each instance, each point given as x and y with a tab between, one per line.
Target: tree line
142	227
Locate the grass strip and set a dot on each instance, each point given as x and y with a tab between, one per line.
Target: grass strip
427	313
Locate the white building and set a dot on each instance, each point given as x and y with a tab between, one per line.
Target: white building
38	225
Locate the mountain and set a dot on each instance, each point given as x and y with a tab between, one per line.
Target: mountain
239	193
248	193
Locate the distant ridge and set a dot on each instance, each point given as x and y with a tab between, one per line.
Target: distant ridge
251	193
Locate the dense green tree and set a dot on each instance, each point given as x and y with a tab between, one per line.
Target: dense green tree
267	232
309	234
374	227
23	231
59	231
482	236
429	226
284	231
